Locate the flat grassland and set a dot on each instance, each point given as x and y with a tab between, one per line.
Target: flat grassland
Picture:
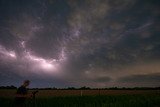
86	98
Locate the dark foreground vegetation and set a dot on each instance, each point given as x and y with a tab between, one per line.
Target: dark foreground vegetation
84	97
90	101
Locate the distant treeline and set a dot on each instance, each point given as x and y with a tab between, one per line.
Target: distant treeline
86	88
8	87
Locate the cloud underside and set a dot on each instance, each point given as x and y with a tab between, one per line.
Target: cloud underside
73	42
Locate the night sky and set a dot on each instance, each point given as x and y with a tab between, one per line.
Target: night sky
74	43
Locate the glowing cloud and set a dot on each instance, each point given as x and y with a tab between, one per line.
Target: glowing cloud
5	52
12	54
47	65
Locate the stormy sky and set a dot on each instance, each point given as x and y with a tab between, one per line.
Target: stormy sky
94	43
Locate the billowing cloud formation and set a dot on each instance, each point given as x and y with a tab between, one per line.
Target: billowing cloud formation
96	43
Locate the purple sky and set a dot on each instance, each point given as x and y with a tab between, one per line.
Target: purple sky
94	43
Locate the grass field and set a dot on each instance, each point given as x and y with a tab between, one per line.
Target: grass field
90	98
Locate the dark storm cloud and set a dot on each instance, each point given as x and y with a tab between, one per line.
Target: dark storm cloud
141	79
102	79
106	37
91	41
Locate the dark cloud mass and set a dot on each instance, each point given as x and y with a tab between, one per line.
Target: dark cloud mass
96	43
142	80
